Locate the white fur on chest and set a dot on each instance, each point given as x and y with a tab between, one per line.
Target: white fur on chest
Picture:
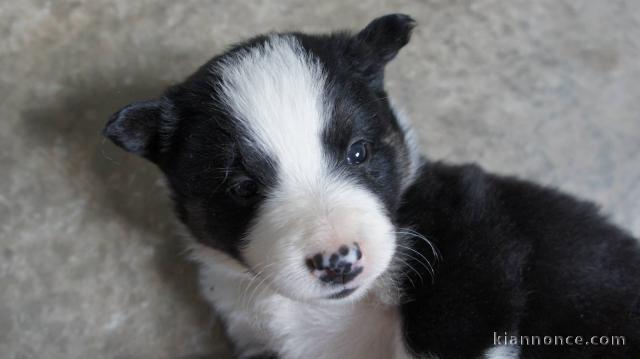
258	320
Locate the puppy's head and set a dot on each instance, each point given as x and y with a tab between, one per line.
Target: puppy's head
285	155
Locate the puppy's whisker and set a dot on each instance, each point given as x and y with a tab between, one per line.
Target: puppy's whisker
410	257
254	293
427	261
412	233
412	268
426	264
254	277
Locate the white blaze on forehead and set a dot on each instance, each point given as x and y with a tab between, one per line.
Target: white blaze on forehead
276	91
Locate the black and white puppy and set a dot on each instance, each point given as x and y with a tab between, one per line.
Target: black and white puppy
309	208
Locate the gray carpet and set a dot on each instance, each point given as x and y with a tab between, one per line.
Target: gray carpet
89	263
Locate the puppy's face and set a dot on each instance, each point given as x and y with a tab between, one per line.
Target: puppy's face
285	155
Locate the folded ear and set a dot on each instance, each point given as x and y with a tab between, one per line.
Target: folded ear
379	42
137	128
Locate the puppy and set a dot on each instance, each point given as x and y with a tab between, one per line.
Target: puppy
321	231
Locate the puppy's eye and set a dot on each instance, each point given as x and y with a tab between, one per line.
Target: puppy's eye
358	152
244	188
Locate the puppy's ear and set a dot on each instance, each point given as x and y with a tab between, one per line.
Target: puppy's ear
386	35
140	128
379	42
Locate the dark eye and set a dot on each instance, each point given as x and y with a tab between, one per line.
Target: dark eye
244	188
358	152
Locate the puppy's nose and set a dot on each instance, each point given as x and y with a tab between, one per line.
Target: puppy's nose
339	267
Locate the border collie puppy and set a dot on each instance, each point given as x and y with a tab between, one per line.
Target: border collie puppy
321	232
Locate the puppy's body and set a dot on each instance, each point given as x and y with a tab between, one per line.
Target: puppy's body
520	259
308	205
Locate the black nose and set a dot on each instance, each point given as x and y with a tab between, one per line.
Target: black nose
339	267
